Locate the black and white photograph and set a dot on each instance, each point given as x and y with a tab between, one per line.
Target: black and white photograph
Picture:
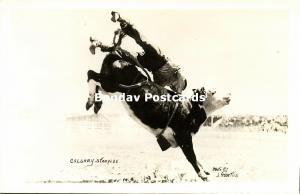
161	97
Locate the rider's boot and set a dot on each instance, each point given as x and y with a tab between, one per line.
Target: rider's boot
116	17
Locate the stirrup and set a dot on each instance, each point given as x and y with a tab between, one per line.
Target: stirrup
163	143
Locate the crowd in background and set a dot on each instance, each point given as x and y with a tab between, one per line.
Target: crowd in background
277	123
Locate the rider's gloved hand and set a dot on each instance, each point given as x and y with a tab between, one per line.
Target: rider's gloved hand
118	31
94	44
92	39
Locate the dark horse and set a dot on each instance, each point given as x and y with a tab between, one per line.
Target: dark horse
173	123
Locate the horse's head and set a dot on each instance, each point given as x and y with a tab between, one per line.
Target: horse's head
115	72
211	102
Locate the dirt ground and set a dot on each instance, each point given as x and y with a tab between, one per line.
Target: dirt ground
62	152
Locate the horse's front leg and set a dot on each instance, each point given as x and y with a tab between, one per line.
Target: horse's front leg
186	145
94	88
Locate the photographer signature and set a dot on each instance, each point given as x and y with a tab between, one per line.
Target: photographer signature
224	172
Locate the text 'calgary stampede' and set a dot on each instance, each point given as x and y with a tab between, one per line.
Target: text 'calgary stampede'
91	161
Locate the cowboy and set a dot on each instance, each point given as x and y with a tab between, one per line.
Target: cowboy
164	72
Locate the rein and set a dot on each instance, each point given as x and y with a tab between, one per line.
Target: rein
132	86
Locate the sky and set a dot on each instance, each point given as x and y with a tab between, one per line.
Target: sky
45	55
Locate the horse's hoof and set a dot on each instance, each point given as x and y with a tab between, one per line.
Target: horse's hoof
206	172
97	106
88	105
203	176
205	179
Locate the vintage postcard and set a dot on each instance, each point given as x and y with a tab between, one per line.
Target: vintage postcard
147	97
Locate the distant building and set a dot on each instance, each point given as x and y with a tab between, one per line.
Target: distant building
90	122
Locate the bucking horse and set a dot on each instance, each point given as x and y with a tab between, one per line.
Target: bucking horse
172	122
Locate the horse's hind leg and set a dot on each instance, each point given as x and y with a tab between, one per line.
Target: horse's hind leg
94	87
97	104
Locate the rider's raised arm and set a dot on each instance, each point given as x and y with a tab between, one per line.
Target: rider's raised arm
115	36
120	35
